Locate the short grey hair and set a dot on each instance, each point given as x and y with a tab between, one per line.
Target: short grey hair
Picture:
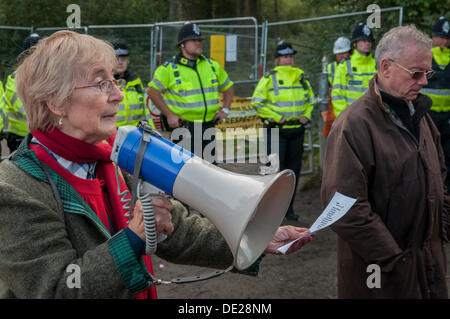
392	43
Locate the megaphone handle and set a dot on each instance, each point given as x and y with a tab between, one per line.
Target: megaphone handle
151	236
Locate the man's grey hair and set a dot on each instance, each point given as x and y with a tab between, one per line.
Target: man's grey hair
392	43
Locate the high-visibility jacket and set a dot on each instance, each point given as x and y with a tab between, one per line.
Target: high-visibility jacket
331	68
2	114
133	108
191	88
438	87
351	80
284	92
16	121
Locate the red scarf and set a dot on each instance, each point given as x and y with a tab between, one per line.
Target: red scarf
79	151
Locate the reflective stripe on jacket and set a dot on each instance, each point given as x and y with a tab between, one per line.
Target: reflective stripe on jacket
284	92
2	114
438	87
331	68
133	108
351	80
191	88
16	121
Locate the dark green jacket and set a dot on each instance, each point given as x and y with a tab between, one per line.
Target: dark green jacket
36	247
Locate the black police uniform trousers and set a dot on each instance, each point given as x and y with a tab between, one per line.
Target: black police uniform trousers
442	122
290	141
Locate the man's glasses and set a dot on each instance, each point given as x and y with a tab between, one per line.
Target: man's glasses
106	86
416	75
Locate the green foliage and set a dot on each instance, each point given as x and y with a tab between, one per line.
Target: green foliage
421	13
49	13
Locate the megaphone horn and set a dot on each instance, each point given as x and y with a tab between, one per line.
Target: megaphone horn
246	209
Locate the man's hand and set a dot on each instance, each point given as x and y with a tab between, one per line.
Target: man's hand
219	117
174	120
304	120
286	234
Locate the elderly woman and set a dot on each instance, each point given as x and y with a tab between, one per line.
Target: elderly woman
59	208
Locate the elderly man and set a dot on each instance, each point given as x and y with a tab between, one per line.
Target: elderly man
384	151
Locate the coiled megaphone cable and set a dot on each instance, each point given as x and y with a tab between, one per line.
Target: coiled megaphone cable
151	236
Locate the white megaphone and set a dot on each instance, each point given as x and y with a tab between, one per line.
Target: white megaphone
246	209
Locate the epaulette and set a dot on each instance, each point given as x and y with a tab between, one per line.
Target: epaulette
166	63
269	73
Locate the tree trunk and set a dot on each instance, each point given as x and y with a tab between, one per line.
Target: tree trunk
275	17
173	6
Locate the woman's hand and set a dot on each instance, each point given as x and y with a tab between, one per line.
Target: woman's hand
163	218
286	234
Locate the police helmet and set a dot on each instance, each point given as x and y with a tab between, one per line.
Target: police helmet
121	49
31	40
284	48
362	32
189	31
441	28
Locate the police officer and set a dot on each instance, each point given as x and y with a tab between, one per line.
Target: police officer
352	78
284	101
438	88
342	50
132	108
15	124
2	118
191	83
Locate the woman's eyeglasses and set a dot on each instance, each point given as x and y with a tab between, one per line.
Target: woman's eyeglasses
416	75
106	86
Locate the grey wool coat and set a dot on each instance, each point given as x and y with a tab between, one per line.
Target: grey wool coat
36	247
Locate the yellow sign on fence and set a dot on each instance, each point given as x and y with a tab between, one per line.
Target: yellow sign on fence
217	50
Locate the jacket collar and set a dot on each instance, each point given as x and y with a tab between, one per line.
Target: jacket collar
180	59
359	59
421	103
374	89
289	69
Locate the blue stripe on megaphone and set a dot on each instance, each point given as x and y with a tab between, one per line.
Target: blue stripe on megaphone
162	160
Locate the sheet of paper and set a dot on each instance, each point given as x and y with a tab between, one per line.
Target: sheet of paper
231	48
336	208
